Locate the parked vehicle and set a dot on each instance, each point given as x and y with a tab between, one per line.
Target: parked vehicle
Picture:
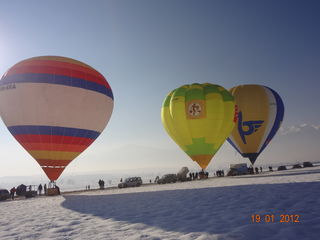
238	169
4	194
281	168
307	164
21	190
182	174
168	178
296	166
131	182
32	191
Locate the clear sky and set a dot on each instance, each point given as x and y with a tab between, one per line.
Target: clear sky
147	48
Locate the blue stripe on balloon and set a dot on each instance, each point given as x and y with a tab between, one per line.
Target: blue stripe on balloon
52	130
233	145
252	156
56	79
277	121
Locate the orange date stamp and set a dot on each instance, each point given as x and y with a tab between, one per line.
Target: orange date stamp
272	218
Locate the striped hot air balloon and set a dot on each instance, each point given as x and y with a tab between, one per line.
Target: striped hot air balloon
55	107
261	112
199	118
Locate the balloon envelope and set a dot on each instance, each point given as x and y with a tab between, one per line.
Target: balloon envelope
55	107
199	118
260	115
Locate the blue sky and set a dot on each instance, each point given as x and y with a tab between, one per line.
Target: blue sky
147	48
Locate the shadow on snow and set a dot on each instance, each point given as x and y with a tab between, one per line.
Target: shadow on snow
282	173
213	210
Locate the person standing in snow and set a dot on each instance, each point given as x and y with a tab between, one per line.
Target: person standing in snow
45	189
58	189
12	192
40	188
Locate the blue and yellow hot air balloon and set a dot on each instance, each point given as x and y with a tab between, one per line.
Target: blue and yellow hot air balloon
199	118
260	113
55	107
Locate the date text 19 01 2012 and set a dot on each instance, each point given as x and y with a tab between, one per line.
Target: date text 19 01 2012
271	218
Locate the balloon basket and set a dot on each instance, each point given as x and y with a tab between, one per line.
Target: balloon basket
203	175
53	189
52	192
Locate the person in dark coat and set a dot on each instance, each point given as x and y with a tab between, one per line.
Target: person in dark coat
12	192
40	188
58	189
45	189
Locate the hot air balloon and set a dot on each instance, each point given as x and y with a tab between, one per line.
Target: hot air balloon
199	118
260	115
55	107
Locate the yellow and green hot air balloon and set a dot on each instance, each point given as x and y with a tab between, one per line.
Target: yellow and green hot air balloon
199	118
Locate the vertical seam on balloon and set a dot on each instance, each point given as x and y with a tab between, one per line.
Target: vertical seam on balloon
59	154
278	118
87	132
64	154
185	114
39	135
170	106
222	103
51	128
204	92
270	120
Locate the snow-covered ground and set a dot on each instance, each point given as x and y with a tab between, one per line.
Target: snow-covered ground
217	208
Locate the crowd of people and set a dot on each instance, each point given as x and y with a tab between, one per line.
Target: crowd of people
220	173
253	170
192	176
23	190
198	175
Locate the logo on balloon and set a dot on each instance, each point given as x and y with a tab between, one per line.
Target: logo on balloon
251	126
194	109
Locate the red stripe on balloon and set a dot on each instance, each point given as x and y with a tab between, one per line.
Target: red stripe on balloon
36	138
53	163
59	71
54	147
57	64
53	173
